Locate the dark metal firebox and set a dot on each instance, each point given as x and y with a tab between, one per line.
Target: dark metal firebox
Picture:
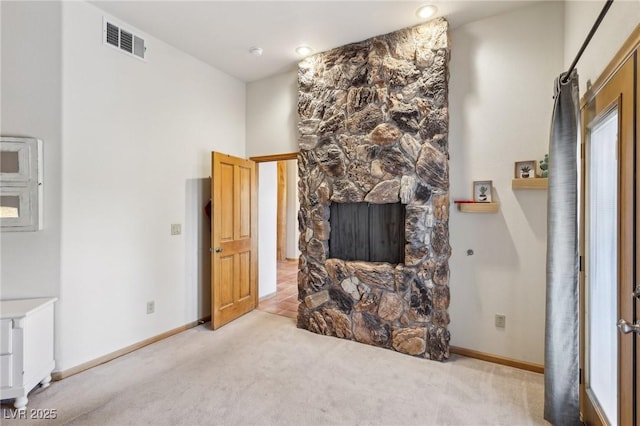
367	232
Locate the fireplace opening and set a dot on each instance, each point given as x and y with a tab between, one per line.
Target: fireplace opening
367	232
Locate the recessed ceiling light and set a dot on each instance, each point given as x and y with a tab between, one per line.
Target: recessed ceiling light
426	11
256	51
304	50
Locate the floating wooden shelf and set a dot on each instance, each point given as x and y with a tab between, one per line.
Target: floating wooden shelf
533	183
478	207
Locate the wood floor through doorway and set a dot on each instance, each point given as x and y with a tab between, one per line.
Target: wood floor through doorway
285	301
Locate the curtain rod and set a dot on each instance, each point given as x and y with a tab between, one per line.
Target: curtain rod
604	11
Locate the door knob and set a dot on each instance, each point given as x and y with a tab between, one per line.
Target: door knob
218	249
627	328
636	292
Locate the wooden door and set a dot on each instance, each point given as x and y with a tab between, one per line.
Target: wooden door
281	221
607	356
234	237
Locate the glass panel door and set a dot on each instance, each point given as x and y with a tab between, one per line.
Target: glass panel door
607	356
602	266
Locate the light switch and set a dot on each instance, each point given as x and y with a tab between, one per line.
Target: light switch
501	321
176	229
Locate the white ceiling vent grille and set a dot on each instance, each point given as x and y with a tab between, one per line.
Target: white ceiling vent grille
126	41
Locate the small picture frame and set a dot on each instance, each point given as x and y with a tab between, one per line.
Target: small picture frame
482	191
525	169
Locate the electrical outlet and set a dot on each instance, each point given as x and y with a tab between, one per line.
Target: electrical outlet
151	307
501	321
176	229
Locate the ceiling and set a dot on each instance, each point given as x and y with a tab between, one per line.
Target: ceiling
220	33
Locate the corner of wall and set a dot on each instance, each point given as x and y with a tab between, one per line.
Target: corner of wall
502	74
271	115
31	106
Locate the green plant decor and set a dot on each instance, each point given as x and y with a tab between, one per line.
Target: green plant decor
544	166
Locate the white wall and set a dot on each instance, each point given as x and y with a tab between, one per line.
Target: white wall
272	120
136	158
272	115
267	233
620	21
502	73
501	87
31	102
126	180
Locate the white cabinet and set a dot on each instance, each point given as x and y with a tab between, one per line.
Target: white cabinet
26	347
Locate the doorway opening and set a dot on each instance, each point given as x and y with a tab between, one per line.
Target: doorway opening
278	234
284	301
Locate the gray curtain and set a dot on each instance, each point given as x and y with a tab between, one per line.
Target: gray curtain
561	364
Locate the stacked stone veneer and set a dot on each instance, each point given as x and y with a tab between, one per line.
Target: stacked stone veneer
374	128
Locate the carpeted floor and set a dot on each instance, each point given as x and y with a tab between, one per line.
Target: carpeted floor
262	370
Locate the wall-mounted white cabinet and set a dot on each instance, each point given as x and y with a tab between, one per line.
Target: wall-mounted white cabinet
20	184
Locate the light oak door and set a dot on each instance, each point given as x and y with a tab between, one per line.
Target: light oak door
281	225
608	342
234	238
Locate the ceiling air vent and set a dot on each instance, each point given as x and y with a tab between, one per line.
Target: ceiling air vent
112	35
125	41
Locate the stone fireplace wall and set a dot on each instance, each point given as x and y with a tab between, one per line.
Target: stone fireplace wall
374	128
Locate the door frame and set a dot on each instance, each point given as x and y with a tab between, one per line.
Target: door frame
281	216
269	159
274	157
626	192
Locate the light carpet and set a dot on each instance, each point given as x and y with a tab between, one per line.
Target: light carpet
262	370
